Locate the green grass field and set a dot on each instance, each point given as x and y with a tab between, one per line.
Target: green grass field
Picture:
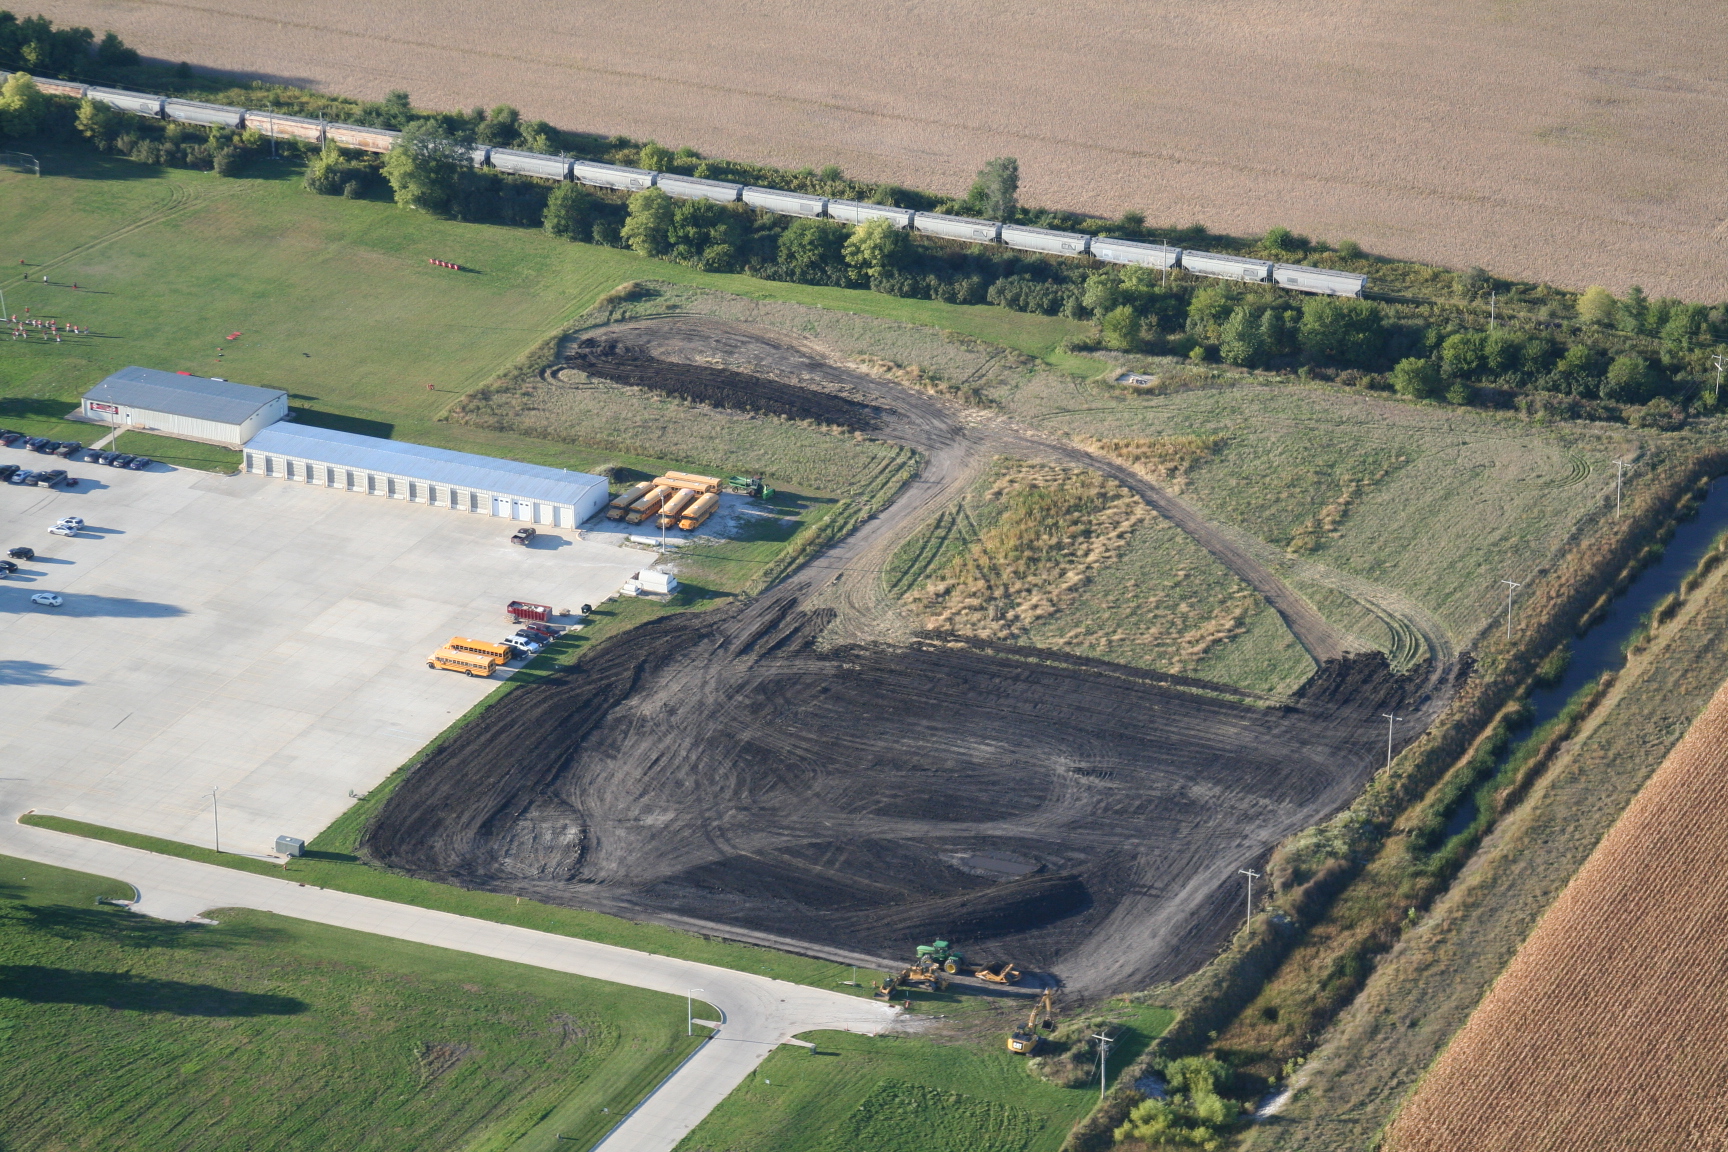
334	299
267	1032
954	1087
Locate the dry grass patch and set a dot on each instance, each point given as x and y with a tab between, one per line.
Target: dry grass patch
1057	526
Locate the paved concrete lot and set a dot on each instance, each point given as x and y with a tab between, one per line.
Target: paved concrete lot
263	638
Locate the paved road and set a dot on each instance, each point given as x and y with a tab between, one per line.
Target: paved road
757	1013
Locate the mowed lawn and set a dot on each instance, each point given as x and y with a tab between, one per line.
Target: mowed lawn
261	1031
333	300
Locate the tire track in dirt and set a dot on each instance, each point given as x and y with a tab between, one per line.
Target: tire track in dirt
803	766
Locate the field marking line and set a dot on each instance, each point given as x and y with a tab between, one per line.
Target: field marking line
759	1012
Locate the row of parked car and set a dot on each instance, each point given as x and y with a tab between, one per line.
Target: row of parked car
70	449
47	478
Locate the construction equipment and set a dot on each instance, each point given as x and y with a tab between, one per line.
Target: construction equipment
620	504
649	504
942	956
749	486
1023	1041
1001	972
922	973
693	516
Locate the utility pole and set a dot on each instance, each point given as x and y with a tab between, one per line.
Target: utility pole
1490	309
1390	720
1104	1043
1719	360
215	819
1252	876
1511	587
1619	482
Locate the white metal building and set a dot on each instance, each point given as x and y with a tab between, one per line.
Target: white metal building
179	404
434	476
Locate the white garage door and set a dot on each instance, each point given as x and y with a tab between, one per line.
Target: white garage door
500	506
524	510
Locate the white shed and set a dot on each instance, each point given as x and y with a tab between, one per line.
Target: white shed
183	405
460	481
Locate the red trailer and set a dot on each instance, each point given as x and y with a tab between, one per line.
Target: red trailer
521	610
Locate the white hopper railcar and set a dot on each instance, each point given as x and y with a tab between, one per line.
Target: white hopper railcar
530	164
611	176
1223	267
956	227
1325	281
137	103
1135	252
785	203
197	112
855	212
1045	240
697	188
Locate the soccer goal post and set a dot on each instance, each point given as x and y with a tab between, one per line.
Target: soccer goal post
21	162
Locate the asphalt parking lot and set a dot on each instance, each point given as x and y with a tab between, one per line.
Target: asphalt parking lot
262	638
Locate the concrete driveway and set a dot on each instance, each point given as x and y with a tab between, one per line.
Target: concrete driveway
262	638
757	1012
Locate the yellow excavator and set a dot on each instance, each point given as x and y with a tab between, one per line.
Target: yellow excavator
1023	1041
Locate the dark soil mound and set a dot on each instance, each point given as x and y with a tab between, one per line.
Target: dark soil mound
622	360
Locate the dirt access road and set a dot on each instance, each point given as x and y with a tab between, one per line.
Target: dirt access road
802	770
1572	142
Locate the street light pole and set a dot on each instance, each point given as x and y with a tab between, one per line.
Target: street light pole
1511	587
690	1010
1252	876
1104	1043
216	819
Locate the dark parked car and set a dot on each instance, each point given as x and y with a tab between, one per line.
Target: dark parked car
22	476
539	632
35	443
50	478
67	448
523	536
49	447
9	437
120	461
8	567
102	457
7	470
22	553
139	463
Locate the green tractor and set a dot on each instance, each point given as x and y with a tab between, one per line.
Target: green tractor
749	486
940	955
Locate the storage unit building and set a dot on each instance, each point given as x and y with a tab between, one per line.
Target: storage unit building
436	477
190	407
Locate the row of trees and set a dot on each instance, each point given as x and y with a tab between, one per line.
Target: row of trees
33	44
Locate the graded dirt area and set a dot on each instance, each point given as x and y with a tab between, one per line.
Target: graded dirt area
801	769
1606	1030
1570	142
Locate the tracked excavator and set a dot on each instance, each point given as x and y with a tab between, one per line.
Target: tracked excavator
1023	1041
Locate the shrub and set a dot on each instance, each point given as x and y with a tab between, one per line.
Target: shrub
1460	393
1024	294
1242	340
1348	331
426	169
811	249
1597	306
1196	1113
1120	329
876	250
1661	414
23	106
569	212
648	222
1417	378
1630	380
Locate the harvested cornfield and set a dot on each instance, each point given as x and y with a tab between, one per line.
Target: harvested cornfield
1606	1032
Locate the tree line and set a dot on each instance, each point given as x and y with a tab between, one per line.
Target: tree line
1550	352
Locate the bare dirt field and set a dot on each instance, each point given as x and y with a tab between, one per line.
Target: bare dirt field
797	769
1605	1031
1572	142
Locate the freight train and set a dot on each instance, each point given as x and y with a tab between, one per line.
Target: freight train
1299	277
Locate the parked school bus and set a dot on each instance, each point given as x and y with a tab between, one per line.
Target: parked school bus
699	511
452	660
648	505
621	503
497	653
